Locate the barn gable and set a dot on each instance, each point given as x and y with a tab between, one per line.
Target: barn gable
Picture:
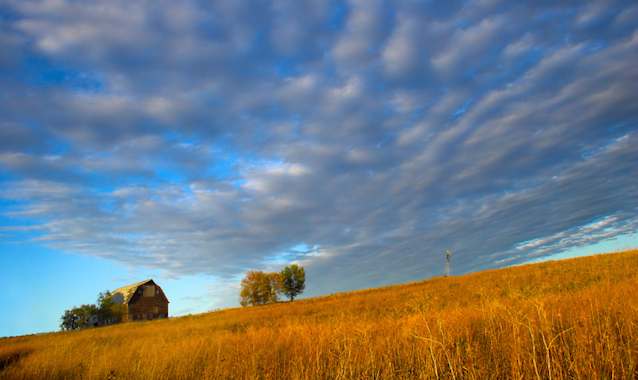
143	300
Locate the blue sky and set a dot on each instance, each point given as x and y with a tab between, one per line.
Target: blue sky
191	141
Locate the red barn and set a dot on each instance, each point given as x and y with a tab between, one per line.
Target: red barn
144	301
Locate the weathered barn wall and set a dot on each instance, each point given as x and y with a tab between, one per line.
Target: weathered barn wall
148	302
143	301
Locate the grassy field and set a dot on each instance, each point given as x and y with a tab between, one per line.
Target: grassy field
571	319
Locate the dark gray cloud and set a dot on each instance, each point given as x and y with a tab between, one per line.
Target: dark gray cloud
362	139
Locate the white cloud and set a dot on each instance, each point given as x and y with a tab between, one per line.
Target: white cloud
210	138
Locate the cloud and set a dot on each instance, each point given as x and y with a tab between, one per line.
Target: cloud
214	138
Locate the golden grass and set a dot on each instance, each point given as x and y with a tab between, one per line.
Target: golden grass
571	319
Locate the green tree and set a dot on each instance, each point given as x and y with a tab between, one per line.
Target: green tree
79	317
107	308
251	289
259	288
272	284
294	281
105	304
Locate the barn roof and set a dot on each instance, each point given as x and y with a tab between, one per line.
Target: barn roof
123	295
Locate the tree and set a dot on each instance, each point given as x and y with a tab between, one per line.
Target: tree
105	303
272	284
294	281
88	315
251	293
107	308
79	317
259	288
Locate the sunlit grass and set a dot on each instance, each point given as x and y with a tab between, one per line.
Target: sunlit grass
572	319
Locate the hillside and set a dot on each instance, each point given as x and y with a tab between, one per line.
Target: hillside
568	319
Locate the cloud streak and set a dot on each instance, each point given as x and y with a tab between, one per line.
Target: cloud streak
214	138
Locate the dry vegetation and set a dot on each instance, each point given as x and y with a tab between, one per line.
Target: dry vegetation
572	319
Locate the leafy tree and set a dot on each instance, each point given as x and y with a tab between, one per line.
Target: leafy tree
79	317
86	315
259	288
107	308
105	303
271	286
251	290
294	281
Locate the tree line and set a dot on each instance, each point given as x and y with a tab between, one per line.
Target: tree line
259	288
90	315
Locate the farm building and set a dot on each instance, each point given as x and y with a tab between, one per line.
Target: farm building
144	301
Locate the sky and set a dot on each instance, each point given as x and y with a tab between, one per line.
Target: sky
191	141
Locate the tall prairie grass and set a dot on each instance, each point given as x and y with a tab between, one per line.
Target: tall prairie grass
571	319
